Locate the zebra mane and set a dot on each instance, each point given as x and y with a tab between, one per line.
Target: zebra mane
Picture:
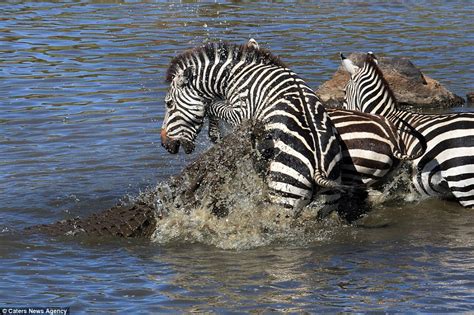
370	60
239	52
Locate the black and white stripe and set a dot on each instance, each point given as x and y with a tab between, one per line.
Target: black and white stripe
371	146
306	150
447	166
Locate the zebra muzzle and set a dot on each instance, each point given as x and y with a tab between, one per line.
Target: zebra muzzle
172	145
188	146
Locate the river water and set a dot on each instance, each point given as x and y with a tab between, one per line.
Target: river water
81	103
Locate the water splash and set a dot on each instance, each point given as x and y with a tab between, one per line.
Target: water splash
397	187
230	215
220	200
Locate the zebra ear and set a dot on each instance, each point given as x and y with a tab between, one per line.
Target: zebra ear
253	43
349	65
184	77
371	57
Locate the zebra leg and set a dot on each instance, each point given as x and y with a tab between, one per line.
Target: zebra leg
214	132
350	205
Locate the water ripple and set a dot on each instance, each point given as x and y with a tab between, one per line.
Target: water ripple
81	102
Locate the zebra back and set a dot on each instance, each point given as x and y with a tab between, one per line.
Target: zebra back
357	124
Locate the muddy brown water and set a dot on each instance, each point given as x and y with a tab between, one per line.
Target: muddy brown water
81	105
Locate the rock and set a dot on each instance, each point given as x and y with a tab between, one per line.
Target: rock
410	86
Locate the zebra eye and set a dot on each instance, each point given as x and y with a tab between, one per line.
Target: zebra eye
169	104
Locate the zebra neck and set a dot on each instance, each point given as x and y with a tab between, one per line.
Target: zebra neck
223	110
381	101
245	83
374	93
254	89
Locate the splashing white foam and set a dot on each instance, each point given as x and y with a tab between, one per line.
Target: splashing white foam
219	200
231	213
243	219
398	187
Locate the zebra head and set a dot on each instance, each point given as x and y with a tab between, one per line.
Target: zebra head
358	82
350	97
185	111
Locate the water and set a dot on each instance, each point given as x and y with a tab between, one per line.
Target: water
81	103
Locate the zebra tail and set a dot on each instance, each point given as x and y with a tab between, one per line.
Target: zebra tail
419	142
323	181
405	156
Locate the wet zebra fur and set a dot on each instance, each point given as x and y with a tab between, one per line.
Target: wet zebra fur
258	85
372	149
371	146
446	169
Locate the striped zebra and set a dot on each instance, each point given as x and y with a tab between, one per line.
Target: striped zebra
306	150
446	169
372	149
372	146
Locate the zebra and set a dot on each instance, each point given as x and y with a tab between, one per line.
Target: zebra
446	169
306	150
372	146
372	149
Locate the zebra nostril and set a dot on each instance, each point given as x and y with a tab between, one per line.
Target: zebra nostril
172	146
188	146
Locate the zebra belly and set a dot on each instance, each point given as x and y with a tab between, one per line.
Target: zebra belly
460	178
